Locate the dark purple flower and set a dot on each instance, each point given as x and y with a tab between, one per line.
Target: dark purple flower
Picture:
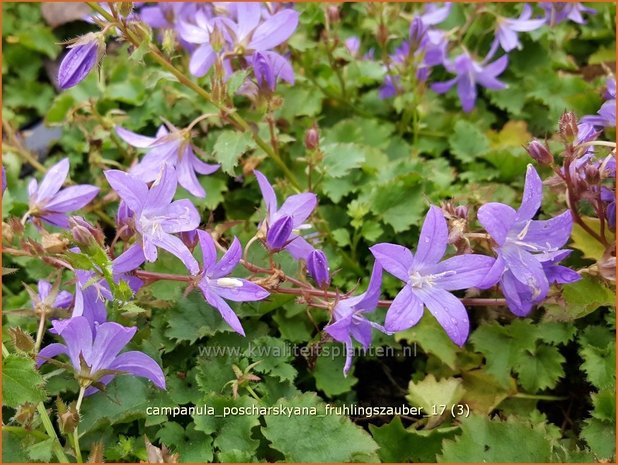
469	74
297	208
523	242
317	266
156	218
98	347
429	281
51	204
507	28
269	67
174	148
557	12
216	286
83	55
348	318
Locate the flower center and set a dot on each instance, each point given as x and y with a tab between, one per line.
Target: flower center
419	281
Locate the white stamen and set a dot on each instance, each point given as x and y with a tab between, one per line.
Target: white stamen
230	283
417	280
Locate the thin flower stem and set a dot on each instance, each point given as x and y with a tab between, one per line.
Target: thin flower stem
51	432
521	395
602	143
78	452
41	331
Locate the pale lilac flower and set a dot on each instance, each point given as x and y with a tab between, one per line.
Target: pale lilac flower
98	348
522	243
83	55
429	281
606	116
174	148
353	45
156	218
469	74
435	14
217	286
348	319
51	204
281	224
317	266
557	12
507	29
43	297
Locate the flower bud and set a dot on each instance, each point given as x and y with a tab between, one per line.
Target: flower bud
568	127
68	417
125	8
461	211
540	153
189	238
80	232
593	175
333	14
124	220
25	414
317	266
279	233
83	55
169	41
607	264
312	137
417	33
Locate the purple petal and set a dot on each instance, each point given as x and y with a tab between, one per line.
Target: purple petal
507	37
518	297
281	67
163	189
448	310
533	195
497	67
129	260
132	191
279	232
549	234
187	177
180	216
56	219
224	309
247	292
200	167
202	60
44	288
77	335
298	247
176	247
53	180
77	63
110	339
63	299
275	30
298	207
466	89
72	198
228	262
50	351
405	311
361	331
395	259
433	239
209	251
497	219
368	300
318	269
140	364
134	139
87	304
248	17
527	270
340	329
270	199
443	87
462	271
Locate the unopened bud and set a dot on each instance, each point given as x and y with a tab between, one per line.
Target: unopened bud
317	266
25	414
279	233
189	238
593	176
125	8
333	14
68	417
169	41
124	220
312	137
22	341
568	127
461	211
217	41
81	234
417	33
540	153
83	55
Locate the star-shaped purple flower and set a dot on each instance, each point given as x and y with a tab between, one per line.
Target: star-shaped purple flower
429	281
217	286
174	148
99	346
156	218
557	12
62	299
51	204
349	322
280	224
506	34
523	242
469	74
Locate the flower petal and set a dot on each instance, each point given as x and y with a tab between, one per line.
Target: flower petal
368	300
176	247
77	335
462	271
549	234
209	251
340	329
202	60
268	193
180	215
448	310
53	180
298	247
140	364
162	189
497	219
130	259
527	270
187	177
72	198
132	191
518	296
134	139
248	292
298	207
533	195
275	30
224	309
405	311
433	239
396	259
50	351
110	339
229	260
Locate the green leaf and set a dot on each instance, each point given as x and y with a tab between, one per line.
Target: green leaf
586	295
230	146
59	108
324	438
601	438
604	403
600	364
21	382
41	451
328	372
496	441
340	159
192	318
539	369
467	142
590	247
274	357
193	446
430	392
398	444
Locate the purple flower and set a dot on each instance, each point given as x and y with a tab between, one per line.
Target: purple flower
523	243
43	297
90	297
557	12
216	286
269	67
353	45
317	266
506	35
156	218
435	14
608	196
349	322
83	55
174	148
429	280
281	224
98	348
606	116
50	203
469	74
